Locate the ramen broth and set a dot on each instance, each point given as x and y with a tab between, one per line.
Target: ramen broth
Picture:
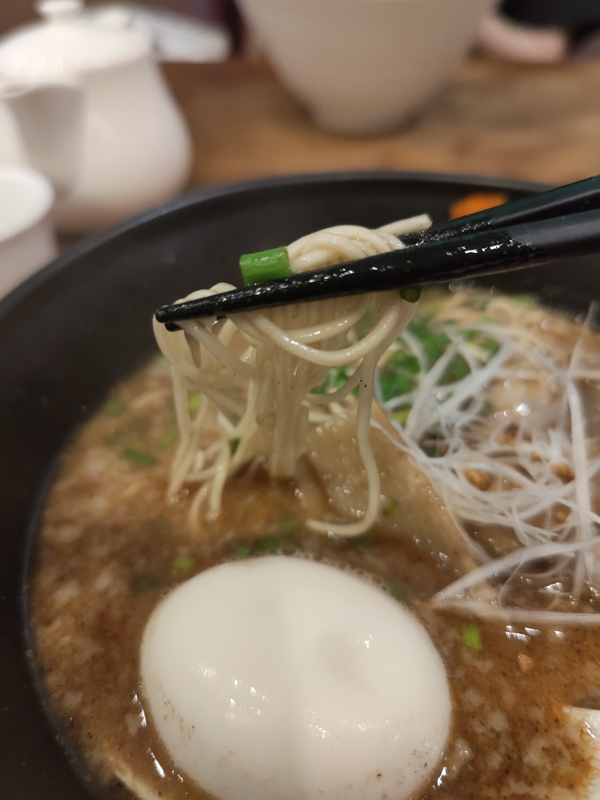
113	542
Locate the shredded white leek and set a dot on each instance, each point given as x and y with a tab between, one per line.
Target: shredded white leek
525	470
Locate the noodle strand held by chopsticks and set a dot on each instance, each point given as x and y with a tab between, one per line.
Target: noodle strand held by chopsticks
257	403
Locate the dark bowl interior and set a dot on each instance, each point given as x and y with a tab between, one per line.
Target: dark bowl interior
83	323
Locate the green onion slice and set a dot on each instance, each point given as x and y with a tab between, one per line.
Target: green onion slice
115	407
269	543
183	564
410	293
144	583
138	457
471	636
391	506
242	550
394	589
268	265
194	401
168	438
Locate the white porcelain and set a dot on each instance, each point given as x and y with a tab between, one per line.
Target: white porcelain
362	66
86	105
177	37
27	240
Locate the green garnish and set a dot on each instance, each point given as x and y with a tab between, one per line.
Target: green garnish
362	539
402	415
269	543
394	589
288	527
160	526
434	344
114	439
233	446
410	293
523	299
242	550
144	583
491	345
138	457
394	384
471	636
391	506
401	360
457	369
168	438
115	407
183	564
335	379
194	401
267	265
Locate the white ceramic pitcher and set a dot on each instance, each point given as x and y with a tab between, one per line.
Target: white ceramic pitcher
84	103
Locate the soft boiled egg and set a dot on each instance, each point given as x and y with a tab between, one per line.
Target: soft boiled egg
280	678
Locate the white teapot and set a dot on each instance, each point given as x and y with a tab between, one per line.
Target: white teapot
84	103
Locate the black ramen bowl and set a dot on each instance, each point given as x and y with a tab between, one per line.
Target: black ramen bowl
83	323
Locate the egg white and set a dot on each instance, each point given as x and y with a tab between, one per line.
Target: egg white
280	678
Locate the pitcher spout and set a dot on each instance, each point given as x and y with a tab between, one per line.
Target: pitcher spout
49	117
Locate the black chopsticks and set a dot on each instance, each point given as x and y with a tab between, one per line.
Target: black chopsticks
570	199
528	232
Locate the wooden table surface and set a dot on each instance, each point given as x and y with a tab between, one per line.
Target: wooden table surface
494	119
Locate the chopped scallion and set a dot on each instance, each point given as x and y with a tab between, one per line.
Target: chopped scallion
401	360
457	369
402	415
391	506
194	401
115	407
523	299
233	446
183	564
471	636
361	540
288	527
394	384
159	526
168	438
242	550
410	293
267	265
491	345
394	589
269	543
144	583
114	439
138	457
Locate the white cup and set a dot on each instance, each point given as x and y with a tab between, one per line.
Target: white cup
27	239
362	66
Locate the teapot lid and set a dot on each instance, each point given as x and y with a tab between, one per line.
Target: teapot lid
66	42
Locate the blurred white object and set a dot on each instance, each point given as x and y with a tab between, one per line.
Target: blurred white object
525	44
27	240
176	37
361	66
85	104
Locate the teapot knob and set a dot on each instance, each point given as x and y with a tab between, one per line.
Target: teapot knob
59	10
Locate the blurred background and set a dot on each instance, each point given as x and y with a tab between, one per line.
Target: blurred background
276	87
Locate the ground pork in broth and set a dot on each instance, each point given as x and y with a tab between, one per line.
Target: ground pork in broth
113	542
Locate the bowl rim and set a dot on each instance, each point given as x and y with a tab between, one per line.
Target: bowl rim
89	242
13	304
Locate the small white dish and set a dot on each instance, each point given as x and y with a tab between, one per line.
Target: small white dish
363	66
27	240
